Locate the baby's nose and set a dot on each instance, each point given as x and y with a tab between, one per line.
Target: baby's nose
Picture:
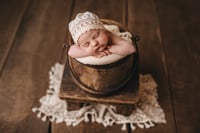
94	43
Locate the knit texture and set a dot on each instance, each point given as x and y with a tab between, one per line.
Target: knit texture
82	23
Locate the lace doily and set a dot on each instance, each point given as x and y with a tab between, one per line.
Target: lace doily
147	113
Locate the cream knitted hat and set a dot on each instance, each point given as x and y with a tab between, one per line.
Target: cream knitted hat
82	23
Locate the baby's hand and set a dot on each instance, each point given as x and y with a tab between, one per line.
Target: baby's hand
103	53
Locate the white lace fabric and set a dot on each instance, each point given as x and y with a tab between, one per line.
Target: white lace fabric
146	114
84	22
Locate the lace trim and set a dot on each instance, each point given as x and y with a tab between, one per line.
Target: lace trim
84	22
147	113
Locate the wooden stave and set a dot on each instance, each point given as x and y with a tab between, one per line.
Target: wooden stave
103	90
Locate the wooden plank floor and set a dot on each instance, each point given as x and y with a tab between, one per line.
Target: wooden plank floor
32	33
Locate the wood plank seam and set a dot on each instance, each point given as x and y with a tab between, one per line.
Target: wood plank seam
13	36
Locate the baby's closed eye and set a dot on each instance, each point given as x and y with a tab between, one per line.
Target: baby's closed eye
96	34
86	44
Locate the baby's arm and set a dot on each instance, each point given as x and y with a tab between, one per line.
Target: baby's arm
121	46
76	52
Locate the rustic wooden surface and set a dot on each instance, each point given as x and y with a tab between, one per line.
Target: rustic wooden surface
32	33
70	91
90	78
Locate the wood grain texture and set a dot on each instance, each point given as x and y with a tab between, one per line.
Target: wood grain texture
106	9
143	21
104	80
11	14
180	34
32	33
70	91
24	79
86	127
110	10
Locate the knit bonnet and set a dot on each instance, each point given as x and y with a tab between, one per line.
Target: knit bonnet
82	23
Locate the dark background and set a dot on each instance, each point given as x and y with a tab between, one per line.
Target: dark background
31	37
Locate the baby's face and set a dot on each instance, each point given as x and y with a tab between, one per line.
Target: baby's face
93	41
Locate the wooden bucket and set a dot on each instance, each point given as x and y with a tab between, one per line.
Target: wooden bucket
107	79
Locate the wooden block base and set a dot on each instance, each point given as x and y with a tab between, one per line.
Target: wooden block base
128	95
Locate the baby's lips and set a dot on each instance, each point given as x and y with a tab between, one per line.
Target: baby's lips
101	48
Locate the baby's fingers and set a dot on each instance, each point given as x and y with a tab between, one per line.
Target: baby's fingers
107	52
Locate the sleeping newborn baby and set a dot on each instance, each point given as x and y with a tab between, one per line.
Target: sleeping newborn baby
92	39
